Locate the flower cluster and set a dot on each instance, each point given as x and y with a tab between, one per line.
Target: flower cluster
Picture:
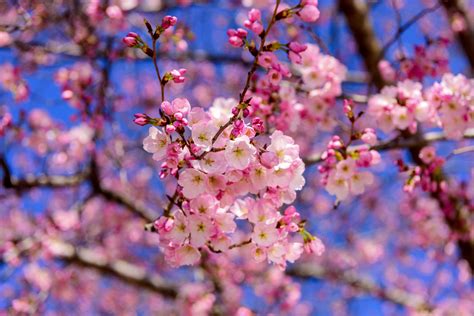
427	175
448	104
430	60
452	100
74	83
304	109
215	170
228	167
341	168
399	107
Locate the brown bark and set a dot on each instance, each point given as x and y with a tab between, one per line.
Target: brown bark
457	8
358	20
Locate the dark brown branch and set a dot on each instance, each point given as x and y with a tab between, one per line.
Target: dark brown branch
33	181
364	284
91	174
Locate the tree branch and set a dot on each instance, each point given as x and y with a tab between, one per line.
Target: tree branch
120	269
455	9
358	20
32	181
364	284
399	143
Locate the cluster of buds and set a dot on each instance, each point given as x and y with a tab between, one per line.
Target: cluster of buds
237	37
341	172
428	175
238	128
176	75
243	107
141	119
254	22
133	40
258	125
177	110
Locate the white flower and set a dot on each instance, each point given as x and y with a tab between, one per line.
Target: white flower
337	186
285	149
193	182
359	181
221	110
213	162
201	229
239	153
346	168
203	133
156	143
264	235
187	255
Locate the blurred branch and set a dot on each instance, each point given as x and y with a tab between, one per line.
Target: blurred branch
399	143
456	9
32	181
404	27
364	284
91	174
124	271
358	19
73	50
120	269
128	203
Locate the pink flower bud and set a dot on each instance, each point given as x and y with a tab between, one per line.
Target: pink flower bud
241	33
168	21
170	129
309	13
167	108
131	40
236	41
314	245
257	27
141	119
258	125
178	116
369	137
67	94
255	15
297	47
